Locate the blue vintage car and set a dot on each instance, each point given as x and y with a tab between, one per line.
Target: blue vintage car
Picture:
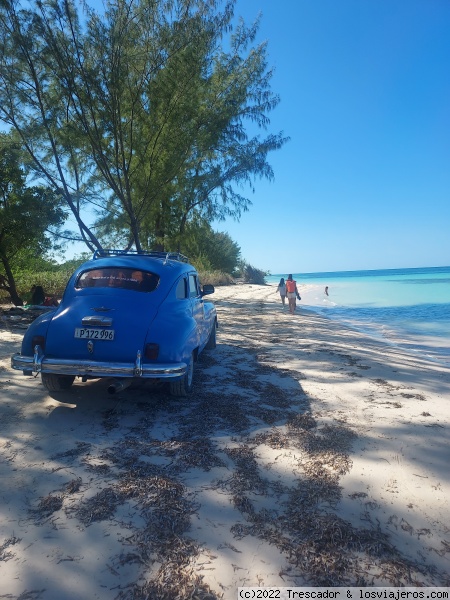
126	316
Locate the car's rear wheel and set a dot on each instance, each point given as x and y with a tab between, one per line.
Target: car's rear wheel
57	383
184	385
211	343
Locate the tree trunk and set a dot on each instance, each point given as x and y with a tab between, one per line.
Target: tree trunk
159	234
7	283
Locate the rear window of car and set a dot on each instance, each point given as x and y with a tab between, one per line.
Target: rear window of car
110	277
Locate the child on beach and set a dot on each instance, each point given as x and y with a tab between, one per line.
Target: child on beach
282	290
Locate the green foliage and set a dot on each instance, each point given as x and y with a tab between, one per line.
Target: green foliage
53	283
251	274
210	250
142	111
216	278
71	265
53	277
26	215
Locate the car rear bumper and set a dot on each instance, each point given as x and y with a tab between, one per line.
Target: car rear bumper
42	364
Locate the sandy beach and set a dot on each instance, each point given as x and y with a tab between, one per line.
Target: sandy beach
308	454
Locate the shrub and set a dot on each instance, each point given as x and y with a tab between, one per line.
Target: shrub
252	275
215	278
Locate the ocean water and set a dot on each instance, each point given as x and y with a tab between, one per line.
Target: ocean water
406	307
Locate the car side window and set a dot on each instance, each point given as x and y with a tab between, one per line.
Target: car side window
181	289
193	286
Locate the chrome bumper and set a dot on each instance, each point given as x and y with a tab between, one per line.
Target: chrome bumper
58	366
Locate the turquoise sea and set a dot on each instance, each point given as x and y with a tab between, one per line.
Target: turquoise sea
406	307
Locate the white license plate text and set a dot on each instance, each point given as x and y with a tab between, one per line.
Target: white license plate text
86	333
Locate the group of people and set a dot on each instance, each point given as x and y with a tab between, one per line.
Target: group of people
38	297
288	289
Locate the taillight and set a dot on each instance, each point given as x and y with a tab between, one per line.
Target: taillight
151	351
38	340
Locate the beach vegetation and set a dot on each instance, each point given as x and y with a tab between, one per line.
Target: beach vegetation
251	274
27	216
143	119
211	250
53	277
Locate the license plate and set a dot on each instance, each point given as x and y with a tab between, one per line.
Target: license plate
85	333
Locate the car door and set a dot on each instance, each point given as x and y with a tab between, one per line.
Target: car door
198	311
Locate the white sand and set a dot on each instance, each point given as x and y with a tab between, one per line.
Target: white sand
308	454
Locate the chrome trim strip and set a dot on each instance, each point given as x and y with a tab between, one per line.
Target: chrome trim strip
82	368
138	365
37	359
97	321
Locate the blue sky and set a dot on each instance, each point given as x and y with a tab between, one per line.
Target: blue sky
364	182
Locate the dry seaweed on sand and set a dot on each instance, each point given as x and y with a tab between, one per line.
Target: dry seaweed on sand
167	513
309	493
47	506
217	411
172	582
100	507
322	547
326	449
163	505
6	554
73	486
80	448
246	476
326	549
190	452
301	421
274	438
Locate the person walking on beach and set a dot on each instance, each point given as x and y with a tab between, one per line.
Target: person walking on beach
326	290
282	290
292	293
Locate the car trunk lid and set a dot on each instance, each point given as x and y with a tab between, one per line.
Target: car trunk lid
102	327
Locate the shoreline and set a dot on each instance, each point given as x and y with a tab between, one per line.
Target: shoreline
435	346
309	454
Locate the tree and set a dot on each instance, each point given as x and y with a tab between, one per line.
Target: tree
26	214
211	250
139	112
252	274
33	104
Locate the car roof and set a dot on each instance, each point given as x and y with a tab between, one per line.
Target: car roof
157	262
